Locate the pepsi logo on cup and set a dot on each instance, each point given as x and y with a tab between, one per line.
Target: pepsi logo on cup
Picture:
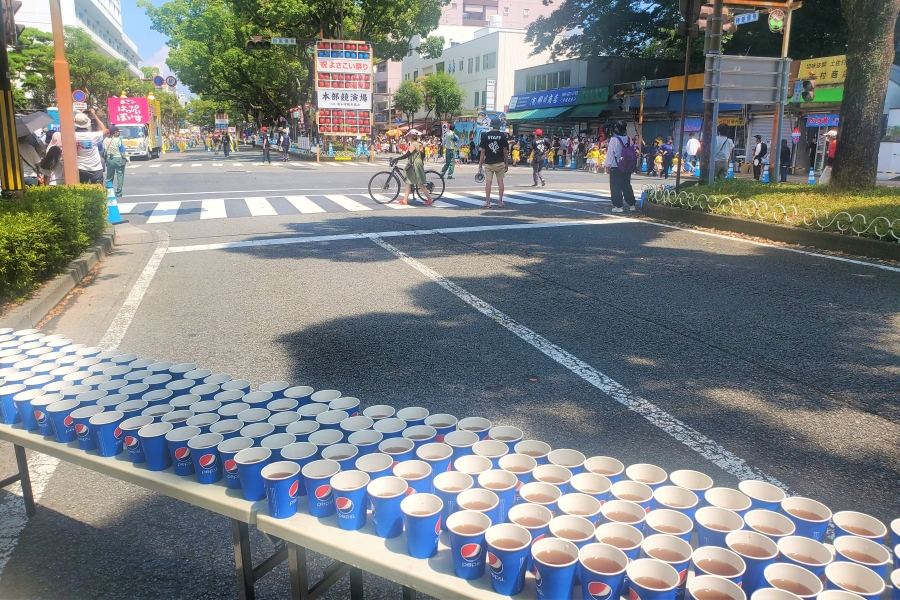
40	416
118	433
183	453
494	563
599	590
537	575
323	493
81	429
539	538
68	421
207	460
437	527
294	490
682	575
231	466
470	552
410	491
131	442
632	595
344	505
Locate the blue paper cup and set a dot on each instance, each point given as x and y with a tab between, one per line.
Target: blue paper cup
205	406
554	577
73	391
763	495
809	516
156	449
848	522
108	355
385	495
626	538
416	473
669	522
83	431
135	377
276	388
158	381
233	409
22	402
596	486
720	562
302	429
180	386
670	550
633	491
205	454
379	412
602	571
282	482
203	421
347	404
472	464
331	419
855	578
390	428
461	442
324	438
132	442
229	397
533	517
343	453
350	500
506	434
227	428
729	499
695	481
258	399
276	443
178	418
650	570
705	586
37	382
282	419
422	522
481	500
178	371
317	476
311	411
413	415
218	379
895	584
366	440
177	440
142	364
206	391
467	546
543	494
772	524
506	562
838	595
622	511
228	449
160	367
420	435
257	431
60	416
39	404
442	423
131	408
8	411
300	393
503	484
117	371
94	382
107	434
157	397
437	455
124	359
60	373
862	551
447	486
250	463
758	552
491	450
577	530
239	385
714	523
794	579
580	505
477	425
113	386
196	374
398	448
375	465
554	475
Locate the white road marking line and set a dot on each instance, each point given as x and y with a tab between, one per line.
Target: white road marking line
442	204
583	196
304	204
133	167
197	164
165	212
461	198
344	201
684	433
126	208
397	206
385	234
518	194
154	166
177	165
217	164
213	209
260	207
238	164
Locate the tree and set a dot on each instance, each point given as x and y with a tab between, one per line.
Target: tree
99	76
432	47
408	99
870	52
31	64
445	93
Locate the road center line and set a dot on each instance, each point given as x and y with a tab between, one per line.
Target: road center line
684	433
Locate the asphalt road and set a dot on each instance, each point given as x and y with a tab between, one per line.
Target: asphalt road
615	336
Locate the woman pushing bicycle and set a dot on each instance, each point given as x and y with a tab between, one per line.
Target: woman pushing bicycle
415	170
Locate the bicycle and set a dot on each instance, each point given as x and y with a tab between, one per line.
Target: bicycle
384	187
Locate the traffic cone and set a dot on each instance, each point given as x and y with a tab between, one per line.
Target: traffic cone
812	176
730	174
112	206
765	173
573	163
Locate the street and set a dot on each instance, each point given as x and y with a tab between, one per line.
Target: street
612	335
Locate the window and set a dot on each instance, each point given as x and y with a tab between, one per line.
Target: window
476	99
525	12
565	79
505	10
439	68
489	61
465	15
552	81
461	64
541	83
477	63
381	87
471	62
453	6
416	75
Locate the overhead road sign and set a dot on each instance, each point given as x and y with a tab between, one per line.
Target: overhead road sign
746	18
284	41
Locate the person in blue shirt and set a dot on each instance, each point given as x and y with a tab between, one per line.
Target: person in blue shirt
668	154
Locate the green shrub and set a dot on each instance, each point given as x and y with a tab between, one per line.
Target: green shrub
40	234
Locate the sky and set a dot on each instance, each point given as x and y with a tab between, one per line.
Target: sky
151	44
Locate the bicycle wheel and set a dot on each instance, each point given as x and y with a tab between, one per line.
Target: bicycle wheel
384	187
434	181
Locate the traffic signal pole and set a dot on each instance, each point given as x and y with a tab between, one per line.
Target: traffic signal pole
775	150
10	163
684	93
713	46
64	96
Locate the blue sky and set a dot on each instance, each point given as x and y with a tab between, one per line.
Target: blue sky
151	44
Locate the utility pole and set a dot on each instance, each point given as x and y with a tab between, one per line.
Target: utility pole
10	163
64	96
713	46
688	28
775	148
640	127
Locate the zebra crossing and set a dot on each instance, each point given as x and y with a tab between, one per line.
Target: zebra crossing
276	164
170	211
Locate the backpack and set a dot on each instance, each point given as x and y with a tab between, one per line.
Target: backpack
628	160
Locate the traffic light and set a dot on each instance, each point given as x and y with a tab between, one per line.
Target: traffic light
808	93
258	43
10	30
706	12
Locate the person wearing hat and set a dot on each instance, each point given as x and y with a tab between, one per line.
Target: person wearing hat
451	145
758	154
87	144
266	144
415	170
116	159
539	148
494	160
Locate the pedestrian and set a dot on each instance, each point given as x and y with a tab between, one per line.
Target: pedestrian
415	169
758	154
691	148
266	144
30	161
539	148
724	148
286	145
116	159
784	160
830	149
451	143
52	165
668	153
557	149
226	143
87	142
494	160
621	159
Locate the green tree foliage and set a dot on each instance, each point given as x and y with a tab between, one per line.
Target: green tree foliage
98	75
445	94
31	64
408	99
432	47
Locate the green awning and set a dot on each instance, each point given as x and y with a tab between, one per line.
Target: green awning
540	114
518	115
587	111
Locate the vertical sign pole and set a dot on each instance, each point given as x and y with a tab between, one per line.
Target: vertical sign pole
684	92
710	112
10	164
782	97
64	96
715	119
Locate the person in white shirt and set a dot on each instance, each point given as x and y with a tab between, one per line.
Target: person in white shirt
691	148
87	142
724	148
30	161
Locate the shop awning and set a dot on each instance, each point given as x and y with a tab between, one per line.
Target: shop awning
653	98
694	102
587	111
538	114
518	115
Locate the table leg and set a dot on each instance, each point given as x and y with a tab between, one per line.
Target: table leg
240	535
25	480
356	584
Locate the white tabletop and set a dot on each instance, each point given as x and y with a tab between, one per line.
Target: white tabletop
215	497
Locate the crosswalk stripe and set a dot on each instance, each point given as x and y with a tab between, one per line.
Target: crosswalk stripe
304	204
260	207
133	167
175	165
462	198
165	212
217	164
351	205
197	164
239	164
536	197
397	206
126	208
153	166
213	209
574	195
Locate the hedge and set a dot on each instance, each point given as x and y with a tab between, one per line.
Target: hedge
42	233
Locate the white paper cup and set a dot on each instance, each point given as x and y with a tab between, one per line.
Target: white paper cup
607	466
775	525
794	579
705	586
647	474
691	480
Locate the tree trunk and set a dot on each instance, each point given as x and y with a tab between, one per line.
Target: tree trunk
870	52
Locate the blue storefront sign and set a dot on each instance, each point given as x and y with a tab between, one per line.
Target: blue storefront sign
823	120
563	97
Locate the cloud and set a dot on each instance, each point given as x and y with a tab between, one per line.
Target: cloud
158	60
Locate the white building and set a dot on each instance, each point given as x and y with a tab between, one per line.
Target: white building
483	61
101	19
517	14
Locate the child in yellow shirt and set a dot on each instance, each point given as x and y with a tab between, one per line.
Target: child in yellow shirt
516	155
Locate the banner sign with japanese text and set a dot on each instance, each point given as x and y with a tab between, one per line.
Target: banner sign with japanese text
344	72
563	97
128	111
827	71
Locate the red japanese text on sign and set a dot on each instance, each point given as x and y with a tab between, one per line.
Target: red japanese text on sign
344	66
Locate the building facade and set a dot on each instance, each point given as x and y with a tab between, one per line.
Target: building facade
386	78
515	14
101	19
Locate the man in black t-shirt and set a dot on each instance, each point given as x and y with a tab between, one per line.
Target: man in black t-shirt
494	160
539	148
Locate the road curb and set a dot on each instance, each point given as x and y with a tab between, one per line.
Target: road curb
51	293
858	246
